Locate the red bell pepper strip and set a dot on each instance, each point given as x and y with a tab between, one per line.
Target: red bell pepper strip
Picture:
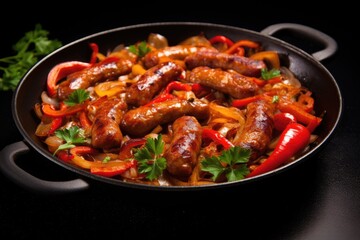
55	124
64	155
281	120
242	43
125	150
239	103
49	110
216	137
300	114
221	39
177	86
200	90
262	82
62	70
294	138
111	169
161	98
95	51
84	120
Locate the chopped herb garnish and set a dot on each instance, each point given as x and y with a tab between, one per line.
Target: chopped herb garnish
77	97
266	74
71	136
140	50
33	45
232	163
150	158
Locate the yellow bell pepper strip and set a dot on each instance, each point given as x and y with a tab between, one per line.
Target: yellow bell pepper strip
60	71
294	138
94	54
108	169
281	120
240	44
221	39
208	133
81	161
49	109
270	57
110	88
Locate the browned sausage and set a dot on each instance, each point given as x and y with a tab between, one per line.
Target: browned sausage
106	132
181	156
152	82
242	65
257	132
174	52
140	121
89	76
234	84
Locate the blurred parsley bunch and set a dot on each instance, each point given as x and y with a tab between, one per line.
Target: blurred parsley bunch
32	46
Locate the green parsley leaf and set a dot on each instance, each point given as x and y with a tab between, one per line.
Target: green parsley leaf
149	158
266	75
33	45
71	136
140	50
232	163
77	97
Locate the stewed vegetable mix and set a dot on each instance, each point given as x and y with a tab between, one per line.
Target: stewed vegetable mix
205	111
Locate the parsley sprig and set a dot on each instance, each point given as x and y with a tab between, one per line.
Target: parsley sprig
77	97
269	74
232	163
33	45
71	136
140	50
150	158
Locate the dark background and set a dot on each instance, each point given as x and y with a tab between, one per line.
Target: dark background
317	200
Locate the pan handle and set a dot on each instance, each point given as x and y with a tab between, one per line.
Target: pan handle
8	166
329	43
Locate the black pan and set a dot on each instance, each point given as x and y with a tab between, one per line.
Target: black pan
306	67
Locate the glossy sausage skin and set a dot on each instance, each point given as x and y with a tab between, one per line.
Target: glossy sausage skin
240	64
174	52
258	128
234	84
182	154
152	82
106	132
89	76
140	121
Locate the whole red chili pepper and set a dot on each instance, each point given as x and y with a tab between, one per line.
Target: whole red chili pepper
294	138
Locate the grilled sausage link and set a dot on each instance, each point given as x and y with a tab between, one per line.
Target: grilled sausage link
106	132
89	76
257	132
234	84
181	156
140	121
152	82
178	52
242	65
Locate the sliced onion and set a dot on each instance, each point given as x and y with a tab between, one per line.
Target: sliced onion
157	41
289	77
46	99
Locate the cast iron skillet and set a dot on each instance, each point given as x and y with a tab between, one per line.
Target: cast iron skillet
306	67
